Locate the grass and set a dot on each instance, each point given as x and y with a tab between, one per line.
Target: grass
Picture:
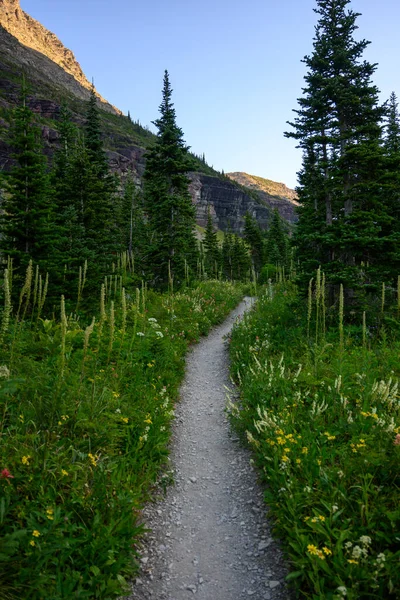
85	407
323	420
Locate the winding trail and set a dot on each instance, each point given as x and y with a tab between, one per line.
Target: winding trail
210	536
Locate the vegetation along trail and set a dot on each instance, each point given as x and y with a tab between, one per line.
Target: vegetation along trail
209	536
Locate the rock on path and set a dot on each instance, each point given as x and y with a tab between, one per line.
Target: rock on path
209	535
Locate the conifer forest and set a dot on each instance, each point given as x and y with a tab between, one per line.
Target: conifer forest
107	283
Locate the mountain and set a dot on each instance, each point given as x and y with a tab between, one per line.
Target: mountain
276	195
31	34
55	77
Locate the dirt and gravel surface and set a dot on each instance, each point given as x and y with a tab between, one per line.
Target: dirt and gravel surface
209	535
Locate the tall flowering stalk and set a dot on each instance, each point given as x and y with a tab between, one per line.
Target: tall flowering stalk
341	308
5	321
64	327
309	307
112	329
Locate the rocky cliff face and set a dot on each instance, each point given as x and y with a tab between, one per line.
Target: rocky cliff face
31	34
227	202
276	195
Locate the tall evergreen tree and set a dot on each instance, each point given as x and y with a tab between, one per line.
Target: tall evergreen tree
170	211
211	246
254	237
277	242
345	223
27	221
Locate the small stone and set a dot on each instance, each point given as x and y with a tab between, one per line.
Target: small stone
191	588
263	544
193	479
274	584
250	592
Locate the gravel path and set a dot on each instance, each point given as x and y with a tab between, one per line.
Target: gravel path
209	537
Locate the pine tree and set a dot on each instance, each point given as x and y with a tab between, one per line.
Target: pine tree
211	246
277	242
70	250
345	222
27	222
171	214
254	237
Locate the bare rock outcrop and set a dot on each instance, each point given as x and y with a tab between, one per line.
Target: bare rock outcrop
33	35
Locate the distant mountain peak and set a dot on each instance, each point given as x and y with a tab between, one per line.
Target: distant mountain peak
32	34
272	188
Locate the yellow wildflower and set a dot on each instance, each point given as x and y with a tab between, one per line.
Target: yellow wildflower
26	459
50	514
36	533
319	462
298	461
93	459
32	543
281	441
285	458
64	472
327	551
304	450
124	419
320	554
312	549
351	561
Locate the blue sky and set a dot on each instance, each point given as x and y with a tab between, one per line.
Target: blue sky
235	66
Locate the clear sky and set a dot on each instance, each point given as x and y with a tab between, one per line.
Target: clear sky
235	66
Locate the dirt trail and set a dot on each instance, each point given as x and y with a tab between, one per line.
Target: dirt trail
210	537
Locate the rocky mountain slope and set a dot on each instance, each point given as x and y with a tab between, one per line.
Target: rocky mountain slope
271	193
55	77
31	34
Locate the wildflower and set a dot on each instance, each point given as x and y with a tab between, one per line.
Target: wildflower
117	410
298	461
159	334
25	460
312	549
32	543
380	559
335	508
36	533
150	365
327	551
340	474
93	459
320	554
140	334
148	420
125	419
397	440
285	458
356	552
5	474
21	418
152	320
342	590
304	450
319	462
4	371
352	562
281	441
115	394
365	540
307	489
321	517
64	472
348	545
50	514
